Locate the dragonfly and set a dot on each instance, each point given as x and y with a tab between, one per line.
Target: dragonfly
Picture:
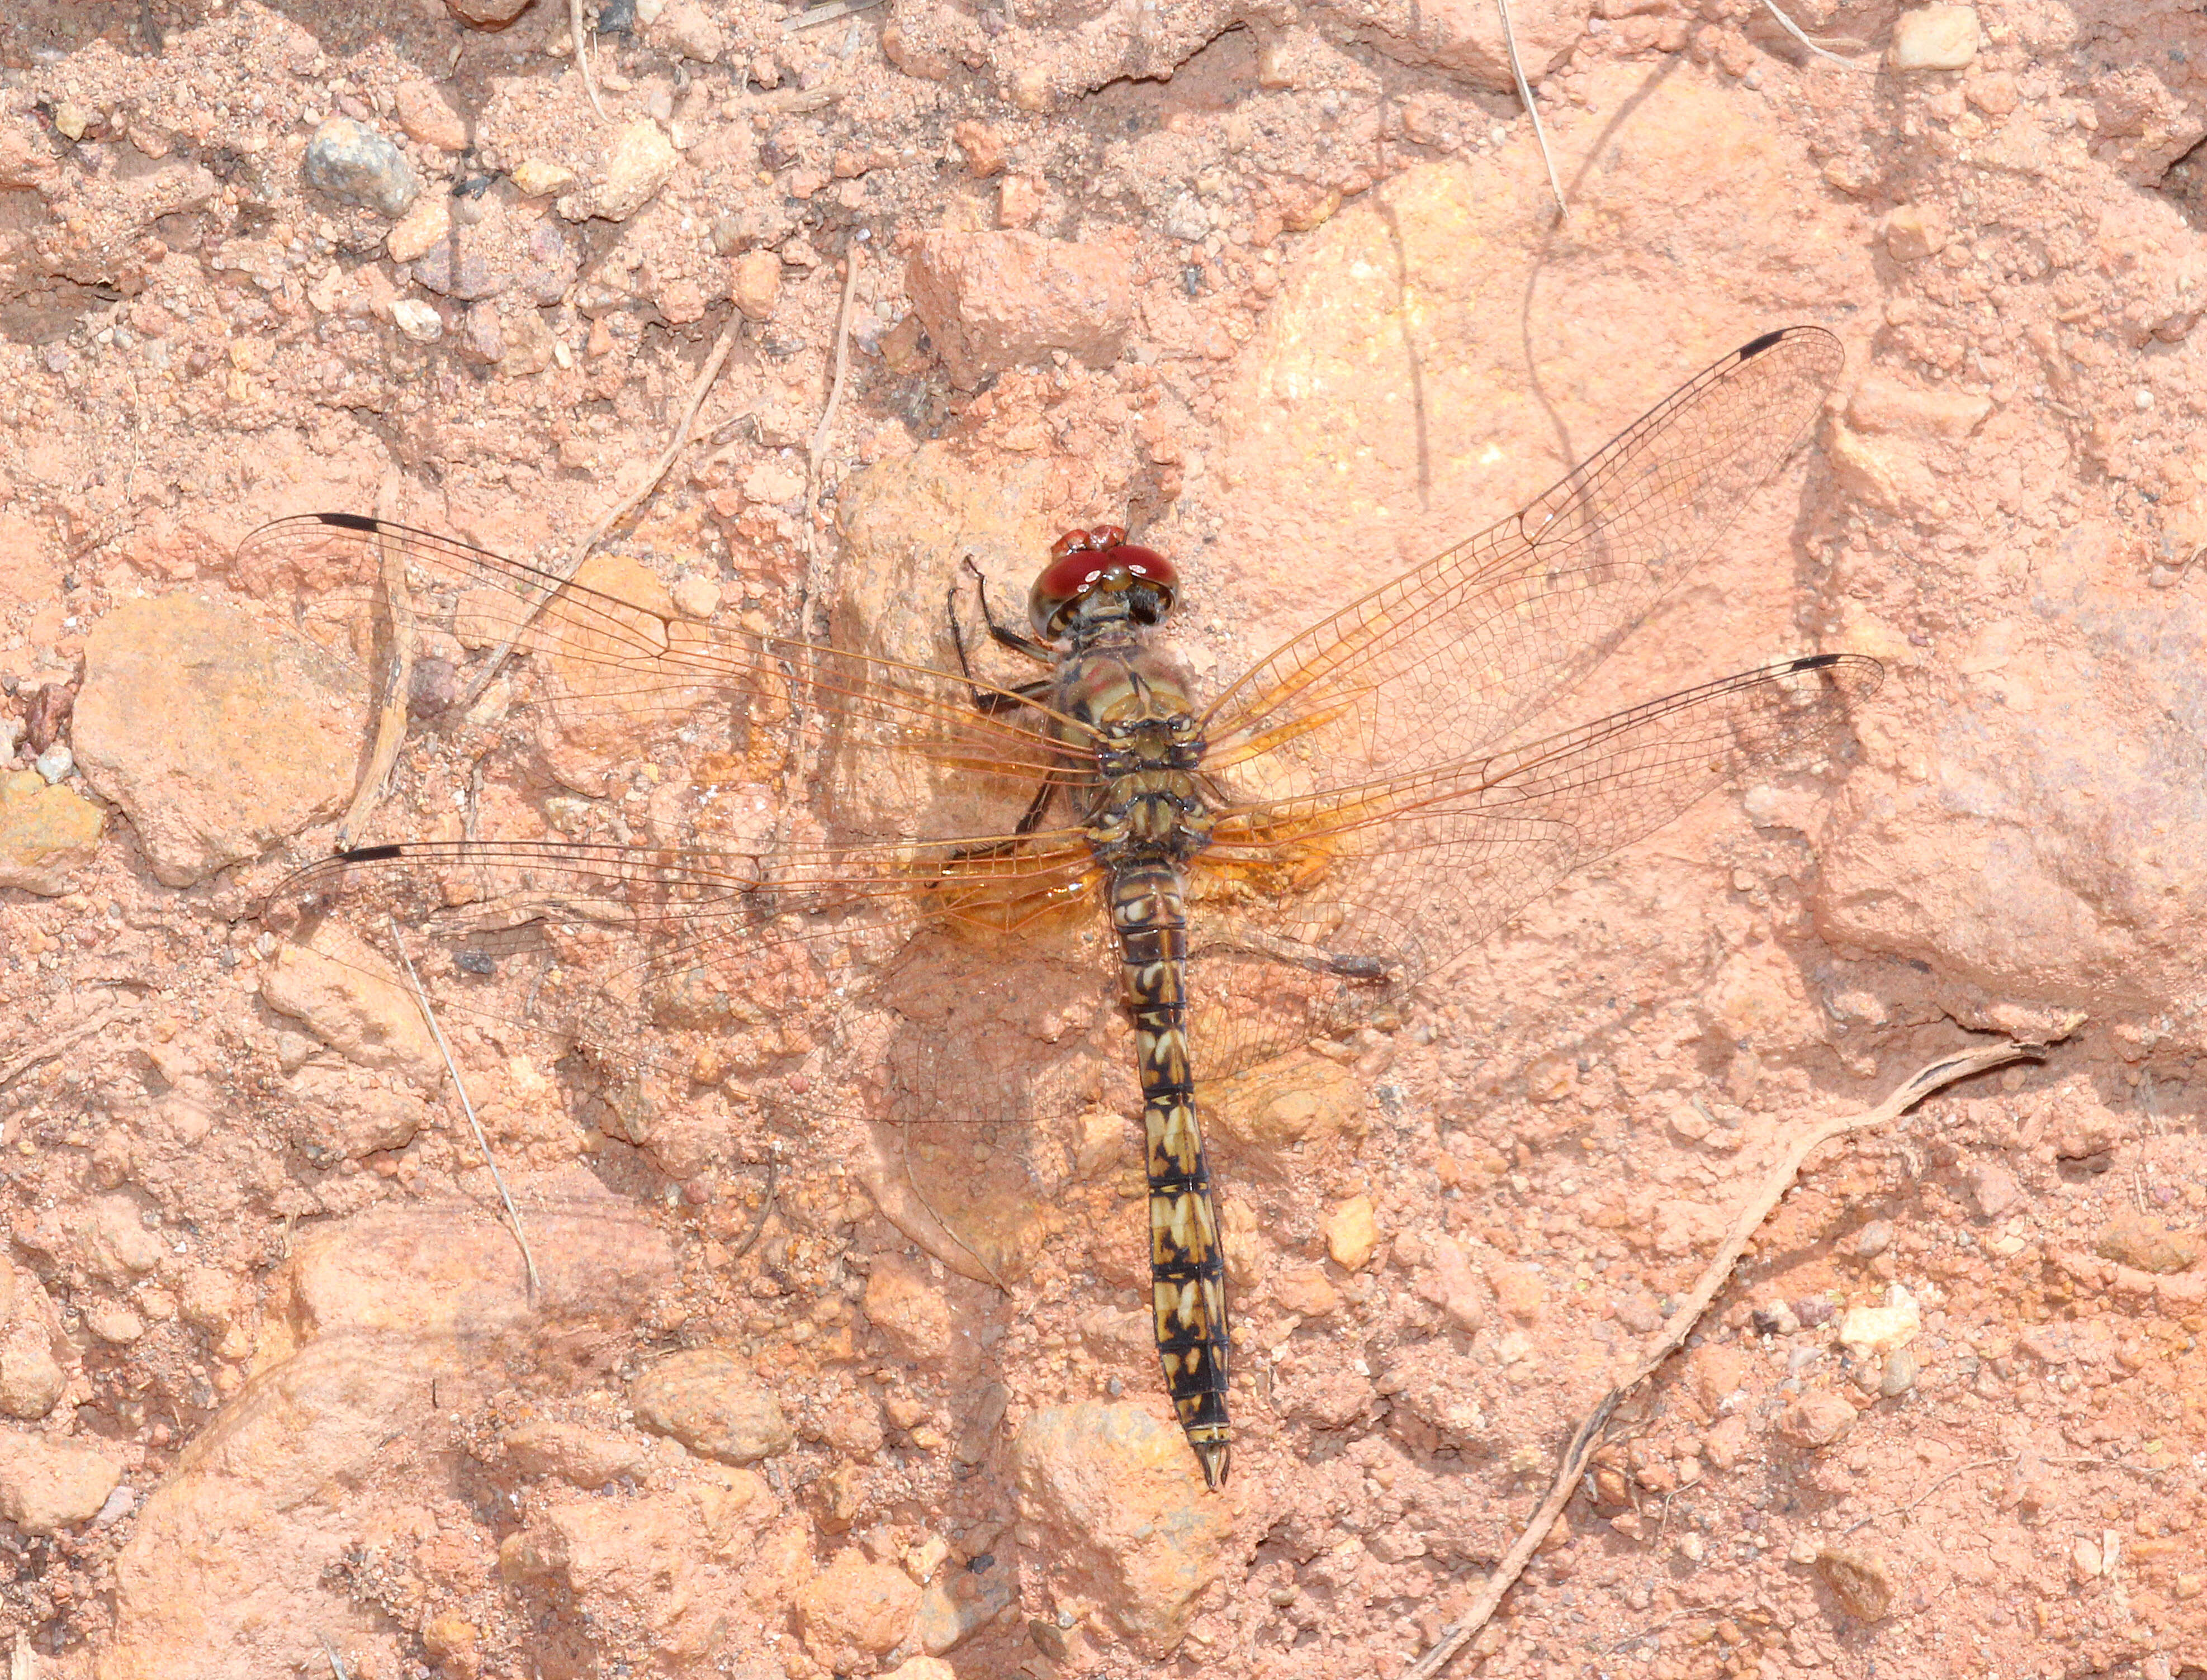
1236	873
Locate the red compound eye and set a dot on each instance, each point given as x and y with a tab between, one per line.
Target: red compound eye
1083	562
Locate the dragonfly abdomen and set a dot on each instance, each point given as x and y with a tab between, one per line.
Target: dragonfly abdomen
1188	1270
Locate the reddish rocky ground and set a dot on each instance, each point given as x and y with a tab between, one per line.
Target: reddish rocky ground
1282	285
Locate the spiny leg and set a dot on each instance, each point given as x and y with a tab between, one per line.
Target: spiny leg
991	701
998	633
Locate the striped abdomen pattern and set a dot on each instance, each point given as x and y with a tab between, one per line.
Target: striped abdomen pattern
1187	1270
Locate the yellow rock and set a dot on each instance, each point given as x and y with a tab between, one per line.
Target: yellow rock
1352	1234
45	833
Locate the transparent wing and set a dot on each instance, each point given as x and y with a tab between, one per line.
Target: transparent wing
621	675
941	1012
1313	906
1453	656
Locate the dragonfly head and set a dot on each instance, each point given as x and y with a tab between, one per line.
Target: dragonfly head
1083	564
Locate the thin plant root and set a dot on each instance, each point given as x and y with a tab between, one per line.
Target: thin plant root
1767	1195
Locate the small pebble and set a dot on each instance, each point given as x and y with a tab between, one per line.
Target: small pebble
692	32
1776	1318
1813	1310
354	164
1351	1234
418	320
434	686
636	166
482	341
1874	1238
537	178
1934	37
1901	1365
1187	219
1993	1190
1817	1419
426	114
2129	1238
697	597
1869	1330
755	283
55	762
714	1404
1860	1581
120	1504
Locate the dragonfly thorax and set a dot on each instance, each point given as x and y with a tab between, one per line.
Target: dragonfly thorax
1128	746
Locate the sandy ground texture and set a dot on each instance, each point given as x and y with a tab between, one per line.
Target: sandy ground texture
1280	284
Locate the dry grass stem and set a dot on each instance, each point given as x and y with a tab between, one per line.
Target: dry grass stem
1800	35
1718	1273
765	1208
398	680
482	1144
1900	1510
813	16
47	1049
818	447
622	507
1525	94
580	35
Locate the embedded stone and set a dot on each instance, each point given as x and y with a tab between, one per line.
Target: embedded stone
1003	298
46	833
219	738
47	1484
1934	37
1125	1522
354	164
712	1402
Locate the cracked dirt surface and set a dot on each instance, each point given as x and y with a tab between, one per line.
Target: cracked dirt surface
1281	287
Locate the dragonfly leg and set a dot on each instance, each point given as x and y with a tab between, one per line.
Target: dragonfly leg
989	700
1027	824
1000	634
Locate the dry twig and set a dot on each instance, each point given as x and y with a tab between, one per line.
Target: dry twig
765	1207
1767	1195
621	509
1901	1510
482	1144
51	1048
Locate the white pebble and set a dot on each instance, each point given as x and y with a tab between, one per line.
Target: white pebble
2144	398
417	321
55	762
